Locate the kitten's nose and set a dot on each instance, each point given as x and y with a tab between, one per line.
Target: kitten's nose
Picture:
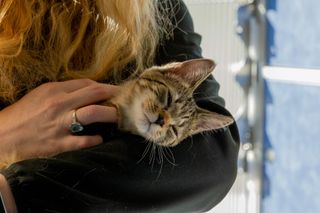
160	120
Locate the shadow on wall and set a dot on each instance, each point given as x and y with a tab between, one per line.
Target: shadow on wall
293	28
272	8
267	145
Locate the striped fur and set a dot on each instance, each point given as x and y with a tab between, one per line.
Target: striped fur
159	104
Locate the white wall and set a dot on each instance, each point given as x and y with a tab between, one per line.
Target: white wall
215	20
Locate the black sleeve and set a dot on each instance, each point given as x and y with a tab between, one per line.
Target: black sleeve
185	45
125	174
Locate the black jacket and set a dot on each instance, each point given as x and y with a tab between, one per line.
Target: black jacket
113	177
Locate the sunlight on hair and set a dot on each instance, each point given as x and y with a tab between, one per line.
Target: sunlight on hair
43	41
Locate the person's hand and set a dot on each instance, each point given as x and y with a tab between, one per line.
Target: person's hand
38	124
7	197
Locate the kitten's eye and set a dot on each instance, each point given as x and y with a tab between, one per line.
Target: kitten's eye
169	99
175	131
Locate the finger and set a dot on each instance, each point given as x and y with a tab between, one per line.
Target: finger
90	94
73	85
96	113
6	195
79	142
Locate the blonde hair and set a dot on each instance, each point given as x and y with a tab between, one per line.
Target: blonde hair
52	40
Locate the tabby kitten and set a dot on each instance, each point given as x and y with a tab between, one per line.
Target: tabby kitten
159	105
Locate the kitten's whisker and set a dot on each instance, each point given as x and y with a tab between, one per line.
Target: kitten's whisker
206	98
196	93
168	155
160	158
152	155
145	152
158	154
191	141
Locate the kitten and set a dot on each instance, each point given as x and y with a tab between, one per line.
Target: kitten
159	105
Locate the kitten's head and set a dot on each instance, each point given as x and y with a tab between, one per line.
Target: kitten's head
161	107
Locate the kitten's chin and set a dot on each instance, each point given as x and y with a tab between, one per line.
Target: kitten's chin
143	129
149	131
142	125
145	125
164	143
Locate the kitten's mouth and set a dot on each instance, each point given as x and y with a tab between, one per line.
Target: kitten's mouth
148	128
144	125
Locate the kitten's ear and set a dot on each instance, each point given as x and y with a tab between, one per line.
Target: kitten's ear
206	121
194	71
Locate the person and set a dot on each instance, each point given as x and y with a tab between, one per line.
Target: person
58	60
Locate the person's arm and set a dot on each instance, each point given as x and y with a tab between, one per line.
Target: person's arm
125	174
38	124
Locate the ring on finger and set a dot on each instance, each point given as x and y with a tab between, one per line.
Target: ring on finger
75	126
